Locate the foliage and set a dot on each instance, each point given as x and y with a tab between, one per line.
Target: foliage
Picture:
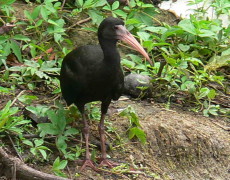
58	166
27	99
135	127
46	16
34	72
58	127
193	50
37	148
6	91
9	121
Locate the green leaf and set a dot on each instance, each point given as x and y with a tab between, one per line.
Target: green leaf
226	52
193	60
52	22
108	8
31	63
21	37
158	30
28	15
48	128
5	113
160	44
38	142
57	91
22	122
187	26
183	64
61	120
90	29
44	148
188	86
205	112
31	86
87	4
135	131
132	3
39	110
141	67
59	173
184	47
61	144
6	50
136	59
128	63
7	2
115	5
57	37
79	3
133	21
96	16
5	90
213	111
100	3
120	13
62	164
143	35
27	142
33	151
16	50
131	114
211	94
36	12
56	163
44	13
207	33
43	153
203	92
41	74
71	131
171	61
39	22
17	68
27	99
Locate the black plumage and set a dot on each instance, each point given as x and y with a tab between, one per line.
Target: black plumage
93	73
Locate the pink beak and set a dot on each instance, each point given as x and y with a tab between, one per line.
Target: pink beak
124	35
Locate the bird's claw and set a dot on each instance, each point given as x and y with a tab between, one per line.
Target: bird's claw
108	163
88	163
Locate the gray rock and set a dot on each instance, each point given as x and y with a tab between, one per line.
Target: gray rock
133	81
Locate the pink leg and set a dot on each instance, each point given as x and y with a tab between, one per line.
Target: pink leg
104	160
87	162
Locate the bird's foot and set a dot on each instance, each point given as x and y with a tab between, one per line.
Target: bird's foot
88	163
108	163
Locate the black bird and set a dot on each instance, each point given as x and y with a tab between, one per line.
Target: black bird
93	73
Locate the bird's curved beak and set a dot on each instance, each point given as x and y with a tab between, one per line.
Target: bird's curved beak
124	35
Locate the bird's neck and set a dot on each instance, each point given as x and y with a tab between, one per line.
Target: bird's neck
110	51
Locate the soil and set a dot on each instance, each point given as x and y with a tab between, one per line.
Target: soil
181	145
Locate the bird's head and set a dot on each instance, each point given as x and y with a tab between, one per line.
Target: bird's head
113	29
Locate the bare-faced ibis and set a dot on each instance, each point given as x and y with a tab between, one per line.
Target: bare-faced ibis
93	73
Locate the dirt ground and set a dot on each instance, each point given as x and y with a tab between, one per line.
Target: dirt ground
181	145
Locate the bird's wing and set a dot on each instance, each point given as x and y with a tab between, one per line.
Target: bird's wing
77	69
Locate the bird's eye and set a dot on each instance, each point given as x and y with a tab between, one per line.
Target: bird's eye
115	27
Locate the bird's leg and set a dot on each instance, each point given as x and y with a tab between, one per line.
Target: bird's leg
101	128
87	161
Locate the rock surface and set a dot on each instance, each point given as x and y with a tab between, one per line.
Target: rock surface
134	83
